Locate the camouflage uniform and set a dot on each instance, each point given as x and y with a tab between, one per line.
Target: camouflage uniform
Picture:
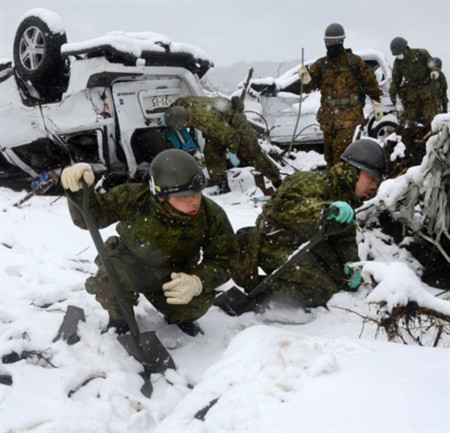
226	127
289	220
343	81
412	83
154	240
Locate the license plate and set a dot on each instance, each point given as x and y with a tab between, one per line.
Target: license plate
153	103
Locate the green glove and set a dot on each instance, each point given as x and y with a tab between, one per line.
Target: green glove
354	276
346	213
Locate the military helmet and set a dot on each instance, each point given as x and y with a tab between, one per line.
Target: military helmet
175	173
334	32
175	117
398	45
367	155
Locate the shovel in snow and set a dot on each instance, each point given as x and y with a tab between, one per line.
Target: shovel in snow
145	347
235	302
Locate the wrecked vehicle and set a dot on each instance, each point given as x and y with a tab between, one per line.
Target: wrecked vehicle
274	106
98	101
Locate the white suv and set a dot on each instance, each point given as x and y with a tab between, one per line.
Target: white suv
98	101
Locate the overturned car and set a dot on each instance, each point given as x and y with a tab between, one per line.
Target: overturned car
98	101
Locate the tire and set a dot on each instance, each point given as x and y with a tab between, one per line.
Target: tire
383	130
37	55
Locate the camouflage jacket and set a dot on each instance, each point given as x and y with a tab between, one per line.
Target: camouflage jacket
343	81
211	116
159	236
411	76
297	205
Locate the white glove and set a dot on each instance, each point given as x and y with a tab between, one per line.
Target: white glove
377	110
182	288
434	75
303	73
71	176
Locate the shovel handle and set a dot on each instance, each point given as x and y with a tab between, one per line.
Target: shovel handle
83	208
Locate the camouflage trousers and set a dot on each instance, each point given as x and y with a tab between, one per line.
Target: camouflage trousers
135	279
420	111
335	142
310	282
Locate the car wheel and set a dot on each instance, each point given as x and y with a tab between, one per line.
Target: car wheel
37	54
383	130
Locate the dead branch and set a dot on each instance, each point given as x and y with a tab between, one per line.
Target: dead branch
408	323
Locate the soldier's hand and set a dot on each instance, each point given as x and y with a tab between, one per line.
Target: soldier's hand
304	76
182	288
71	176
345	212
353	275
233	158
434	75
377	110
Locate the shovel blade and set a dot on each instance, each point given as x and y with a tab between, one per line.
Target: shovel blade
148	350
233	302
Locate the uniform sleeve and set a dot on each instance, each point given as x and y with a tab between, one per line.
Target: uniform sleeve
297	206
396	80
346	244
315	71
216	128
107	208
220	251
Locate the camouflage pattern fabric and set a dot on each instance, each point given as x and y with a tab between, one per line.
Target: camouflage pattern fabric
343	82
155	240
412	83
288	220
335	142
441	93
226	127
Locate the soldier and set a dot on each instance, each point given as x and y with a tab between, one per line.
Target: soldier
175	245
344	80
441	88
412	80
225	128
291	217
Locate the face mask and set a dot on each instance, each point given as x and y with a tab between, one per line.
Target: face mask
400	56
334	50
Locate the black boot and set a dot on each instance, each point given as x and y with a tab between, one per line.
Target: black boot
190	328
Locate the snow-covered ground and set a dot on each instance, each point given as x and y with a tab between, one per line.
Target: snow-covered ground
328	370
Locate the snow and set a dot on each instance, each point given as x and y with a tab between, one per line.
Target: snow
286	370
53	20
135	43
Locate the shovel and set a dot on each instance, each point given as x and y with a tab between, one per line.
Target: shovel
235	302
145	347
